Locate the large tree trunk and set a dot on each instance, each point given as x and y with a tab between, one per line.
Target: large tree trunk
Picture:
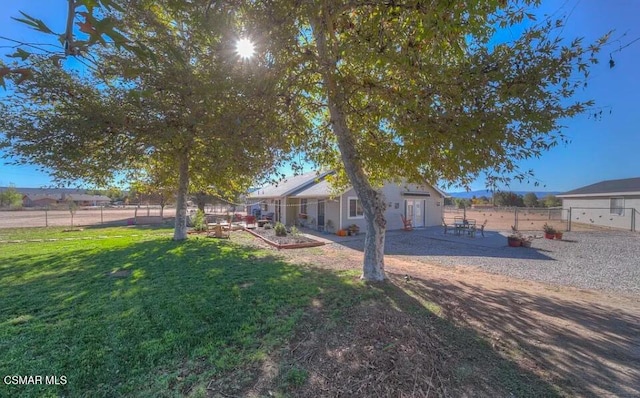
372	203
180	231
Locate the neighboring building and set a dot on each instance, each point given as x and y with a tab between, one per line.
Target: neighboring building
82	199
40	200
611	203
36	197
308	199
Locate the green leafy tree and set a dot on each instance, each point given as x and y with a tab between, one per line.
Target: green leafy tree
180	98
509	199
425	91
530	199
10	197
552	201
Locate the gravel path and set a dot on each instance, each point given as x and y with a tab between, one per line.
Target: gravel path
608	261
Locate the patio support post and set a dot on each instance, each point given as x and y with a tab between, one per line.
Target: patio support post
569	220
101	219
515	214
46	216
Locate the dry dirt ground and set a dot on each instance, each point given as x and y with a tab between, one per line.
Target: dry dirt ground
481	335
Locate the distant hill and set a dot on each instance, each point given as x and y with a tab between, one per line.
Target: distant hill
484	192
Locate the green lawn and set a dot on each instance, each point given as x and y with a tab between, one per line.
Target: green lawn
179	314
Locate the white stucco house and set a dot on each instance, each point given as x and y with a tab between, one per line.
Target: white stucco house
307	199
611	203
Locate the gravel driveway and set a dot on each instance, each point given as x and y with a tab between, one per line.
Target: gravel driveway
608	261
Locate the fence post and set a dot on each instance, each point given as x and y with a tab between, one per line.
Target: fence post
101	219
569	220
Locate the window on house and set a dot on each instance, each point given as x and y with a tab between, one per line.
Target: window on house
617	206
355	208
303	206
264	207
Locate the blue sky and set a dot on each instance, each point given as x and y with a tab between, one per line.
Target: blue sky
599	149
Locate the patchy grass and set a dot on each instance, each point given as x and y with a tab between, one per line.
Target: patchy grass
90	232
145	316
129	312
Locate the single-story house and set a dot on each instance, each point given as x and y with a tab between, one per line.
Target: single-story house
308	200
40	200
82	199
611	203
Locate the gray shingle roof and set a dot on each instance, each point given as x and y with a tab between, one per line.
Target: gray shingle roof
288	186
622	186
319	190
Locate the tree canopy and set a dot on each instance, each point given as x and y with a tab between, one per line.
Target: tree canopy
429	92
176	97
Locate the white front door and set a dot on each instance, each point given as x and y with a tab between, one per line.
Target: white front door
415	212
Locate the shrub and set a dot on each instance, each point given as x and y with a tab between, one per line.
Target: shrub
280	229
294	231
267	226
200	221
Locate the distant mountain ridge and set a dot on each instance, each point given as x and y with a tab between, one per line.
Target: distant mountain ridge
488	194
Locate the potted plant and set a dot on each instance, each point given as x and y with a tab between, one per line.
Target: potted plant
342	232
353	229
549	231
558	235
515	239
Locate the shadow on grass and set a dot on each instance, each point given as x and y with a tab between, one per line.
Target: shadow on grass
150	317
162	318
589	350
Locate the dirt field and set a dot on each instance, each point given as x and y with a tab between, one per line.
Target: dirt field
569	342
501	219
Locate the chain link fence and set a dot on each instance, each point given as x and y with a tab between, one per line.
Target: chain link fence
84	216
504	218
533	219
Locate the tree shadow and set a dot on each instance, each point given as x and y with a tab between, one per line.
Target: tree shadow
418	244
588	349
159	317
121	318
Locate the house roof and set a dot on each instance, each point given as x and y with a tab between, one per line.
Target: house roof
625	186
309	185
34	196
88	198
288	186
320	190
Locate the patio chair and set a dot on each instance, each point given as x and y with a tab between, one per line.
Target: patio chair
471	227
250	221
474	229
484	224
445	226
407	224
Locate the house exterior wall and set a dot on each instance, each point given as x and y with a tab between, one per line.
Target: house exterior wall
332	212
395	200
432	209
597	211
292	211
